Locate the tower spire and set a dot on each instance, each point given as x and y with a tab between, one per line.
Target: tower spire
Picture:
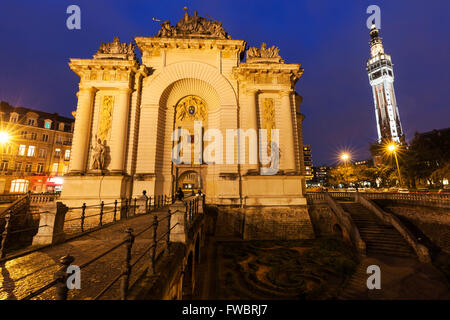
381	77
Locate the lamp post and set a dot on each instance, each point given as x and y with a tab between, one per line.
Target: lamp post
345	157
393	149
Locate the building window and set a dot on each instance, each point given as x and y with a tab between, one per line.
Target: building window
22	148
61	126
65	169
7	149
40	168
59	140
19	185
28	167
57	152
48	124
67	155
23	134
42	153
55	168
31	150
4	165
31	122
18	166
33	136
45	137
14	117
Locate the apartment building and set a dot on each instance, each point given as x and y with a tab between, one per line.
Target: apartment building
35	149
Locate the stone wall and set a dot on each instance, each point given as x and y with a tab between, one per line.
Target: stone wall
434	223
264	223
322	218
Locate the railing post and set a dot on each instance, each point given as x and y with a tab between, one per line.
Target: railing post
126	208
83	216
126	269
5	234
155	230
61	277
134	211
102	205
168	233
115	210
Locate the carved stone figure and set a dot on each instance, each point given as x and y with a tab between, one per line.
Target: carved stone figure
114	48
191	108
99	154
271	54
193	27
105	121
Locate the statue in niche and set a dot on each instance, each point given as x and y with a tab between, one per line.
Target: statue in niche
99	154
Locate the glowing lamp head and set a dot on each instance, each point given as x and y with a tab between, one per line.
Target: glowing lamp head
345	157
4	137
392	147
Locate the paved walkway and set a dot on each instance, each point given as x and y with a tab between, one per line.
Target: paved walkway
401	279
21	276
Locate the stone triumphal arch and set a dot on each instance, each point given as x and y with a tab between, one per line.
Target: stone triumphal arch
129	112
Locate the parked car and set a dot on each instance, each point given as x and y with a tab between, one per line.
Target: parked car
351	189
403	190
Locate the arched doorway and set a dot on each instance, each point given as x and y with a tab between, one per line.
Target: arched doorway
189	181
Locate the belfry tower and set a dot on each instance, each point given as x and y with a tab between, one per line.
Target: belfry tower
381	77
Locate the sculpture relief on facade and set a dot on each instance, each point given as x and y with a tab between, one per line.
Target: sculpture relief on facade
264	54
193	27
105	119
191	108
268	117
116	49
99	154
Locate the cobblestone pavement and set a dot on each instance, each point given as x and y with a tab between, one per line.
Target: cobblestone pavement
24	275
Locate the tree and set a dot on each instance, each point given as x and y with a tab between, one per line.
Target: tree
343	174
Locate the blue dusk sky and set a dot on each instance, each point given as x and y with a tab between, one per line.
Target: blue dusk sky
329	38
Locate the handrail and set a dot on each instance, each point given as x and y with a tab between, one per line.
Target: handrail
388	218
125	274
346	221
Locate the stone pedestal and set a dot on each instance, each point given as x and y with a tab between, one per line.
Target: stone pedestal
94	189
51	224
142	204
178	233
277	190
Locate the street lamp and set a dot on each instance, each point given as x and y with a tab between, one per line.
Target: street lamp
4	137
345	157
392	148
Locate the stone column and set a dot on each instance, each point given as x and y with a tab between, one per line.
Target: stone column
82	130
252	119
119	131
287	133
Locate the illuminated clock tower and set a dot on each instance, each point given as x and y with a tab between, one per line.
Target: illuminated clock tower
381	77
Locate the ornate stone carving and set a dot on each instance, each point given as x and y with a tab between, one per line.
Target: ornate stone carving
98	154
193	27
116	50
268	117
264	54
105	119
191	108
